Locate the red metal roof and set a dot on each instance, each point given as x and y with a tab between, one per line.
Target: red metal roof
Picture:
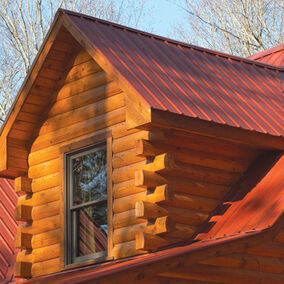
189	80
258	209
8	229
273	56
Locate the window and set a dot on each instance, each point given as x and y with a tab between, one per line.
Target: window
86	200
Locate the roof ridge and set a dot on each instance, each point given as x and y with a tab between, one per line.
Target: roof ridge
175	42
267	52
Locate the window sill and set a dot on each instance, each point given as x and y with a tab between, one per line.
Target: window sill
89	262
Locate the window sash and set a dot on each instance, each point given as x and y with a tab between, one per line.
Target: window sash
71	230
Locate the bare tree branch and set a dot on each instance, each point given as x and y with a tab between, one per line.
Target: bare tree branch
241	27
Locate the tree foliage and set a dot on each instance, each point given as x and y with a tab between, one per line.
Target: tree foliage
24	24
239	27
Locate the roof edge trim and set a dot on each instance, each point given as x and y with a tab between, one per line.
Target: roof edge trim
181	122
16	106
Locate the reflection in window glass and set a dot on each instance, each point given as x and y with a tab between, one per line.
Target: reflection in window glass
89	177
92	229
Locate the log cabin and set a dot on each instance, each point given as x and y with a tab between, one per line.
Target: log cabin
135	158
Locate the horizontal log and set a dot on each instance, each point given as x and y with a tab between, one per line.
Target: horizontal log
20	134
18	163
46	267
23	212
149	242
128	202
182	231
54	65
49	73
33	108
127	172
184	185
23	269
84	98
268	249
23	185
82	113
126	158
39	254
41	198
23	240
126	234
280	236
46	239
44	169
149	210
126	249
249	262
119	130
40	226
79	129
160	194
82	70
53	152
83	84
81	57
193	202
30	117
167	164
210	273
126	188
46	182
128	142
161	163
211	145
162	226
24	125
146	210
45	210
46	82
146	148
126	219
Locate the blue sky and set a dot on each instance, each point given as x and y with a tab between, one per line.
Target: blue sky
165	15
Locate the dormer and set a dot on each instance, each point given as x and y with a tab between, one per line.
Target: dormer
126	144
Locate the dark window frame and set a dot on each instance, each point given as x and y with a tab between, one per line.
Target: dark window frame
74	146
71	222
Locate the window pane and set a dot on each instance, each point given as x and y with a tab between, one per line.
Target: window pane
91	229
89	177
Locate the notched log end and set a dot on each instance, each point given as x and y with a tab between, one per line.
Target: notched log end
23	269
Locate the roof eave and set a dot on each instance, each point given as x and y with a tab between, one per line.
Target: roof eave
165	119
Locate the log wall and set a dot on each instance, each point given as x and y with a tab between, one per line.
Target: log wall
259	263
87	102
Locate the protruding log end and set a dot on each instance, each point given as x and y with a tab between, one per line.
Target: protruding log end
23	213
148	242
162	225
161	193
145	178
23	185
148	210
144	148
23	269
162	163
23	241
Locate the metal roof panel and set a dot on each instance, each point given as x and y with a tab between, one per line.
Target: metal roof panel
188	80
